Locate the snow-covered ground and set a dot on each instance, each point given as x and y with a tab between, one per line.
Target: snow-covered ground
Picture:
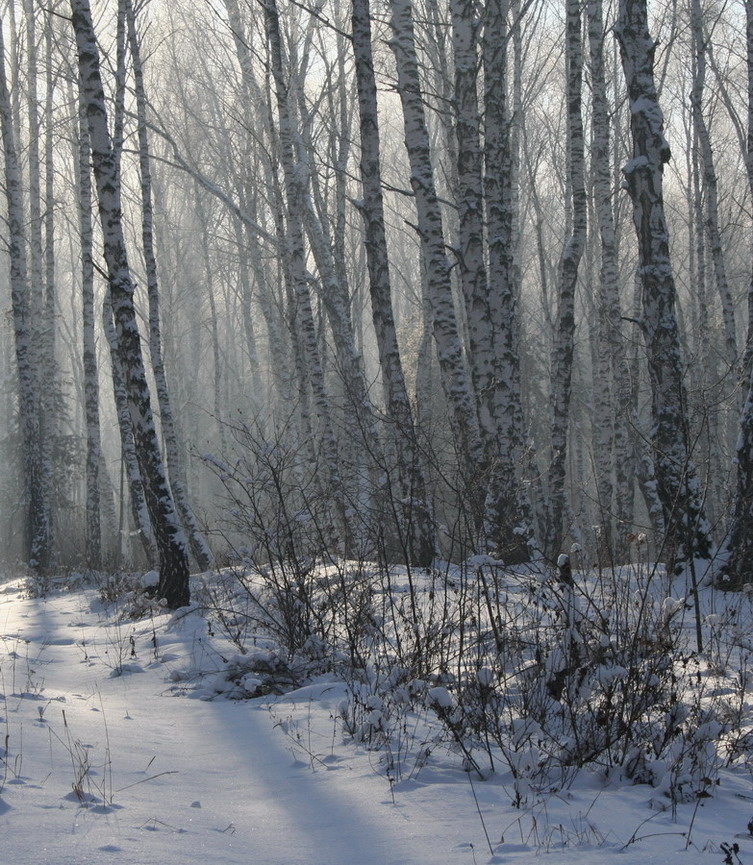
107	759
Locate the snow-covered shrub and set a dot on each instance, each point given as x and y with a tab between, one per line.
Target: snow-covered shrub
594	675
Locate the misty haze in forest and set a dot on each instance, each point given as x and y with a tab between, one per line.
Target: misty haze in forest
381	281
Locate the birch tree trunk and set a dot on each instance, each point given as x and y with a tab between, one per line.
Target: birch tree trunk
412	505
736	569
171	544
130	467
688	534
90	366
41	320
456	382
615	453
563	350
50	396
175	467
493	318
251	92
37	529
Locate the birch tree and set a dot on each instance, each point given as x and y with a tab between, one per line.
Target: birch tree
562	356
710	185
176	469
89	347
37	526
171	544
456	382
492	303
687	531
737	561
613	399
414	517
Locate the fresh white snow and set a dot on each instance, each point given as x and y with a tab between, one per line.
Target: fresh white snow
107	759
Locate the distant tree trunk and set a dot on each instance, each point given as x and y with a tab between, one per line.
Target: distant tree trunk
171	544
249	329
50	396
39	323
748	358
688	534
737	561
614	449
37	532
176	469
456	382
564	340
90	366
304	326
365	446
415	519
710	186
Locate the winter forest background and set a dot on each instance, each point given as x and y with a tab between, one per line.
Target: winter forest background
387	282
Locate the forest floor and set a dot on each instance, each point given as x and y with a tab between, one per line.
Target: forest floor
117	749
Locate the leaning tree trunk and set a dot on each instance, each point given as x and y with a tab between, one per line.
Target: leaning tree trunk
171	543
130	470
414	520
688	533
176	469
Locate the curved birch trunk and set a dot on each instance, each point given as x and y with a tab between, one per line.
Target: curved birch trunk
171	543
175	467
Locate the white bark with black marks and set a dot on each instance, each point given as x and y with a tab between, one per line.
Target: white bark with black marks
456	381
171	542
688	534
414	519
